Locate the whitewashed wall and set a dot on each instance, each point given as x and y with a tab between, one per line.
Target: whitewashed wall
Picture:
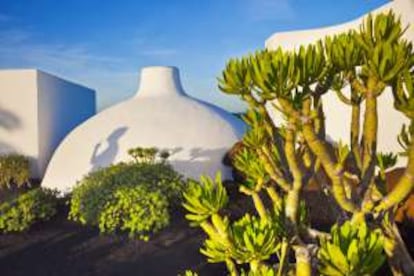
37	110
63	105
18	114
337	114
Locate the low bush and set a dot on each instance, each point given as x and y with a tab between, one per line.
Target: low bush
14	170
133	197
136	210
21	211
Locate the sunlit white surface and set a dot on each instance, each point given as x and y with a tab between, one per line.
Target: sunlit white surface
37	110
161	115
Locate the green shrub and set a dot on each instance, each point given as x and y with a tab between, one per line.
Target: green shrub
136	210
133	197
21	211
14	170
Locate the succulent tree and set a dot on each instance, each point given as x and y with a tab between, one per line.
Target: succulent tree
278	161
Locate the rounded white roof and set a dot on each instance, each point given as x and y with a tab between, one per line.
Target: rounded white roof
160	115
294	39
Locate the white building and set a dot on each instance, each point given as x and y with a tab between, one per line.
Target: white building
161	115
37	110
337	114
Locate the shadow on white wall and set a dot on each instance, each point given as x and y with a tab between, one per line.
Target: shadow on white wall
105	152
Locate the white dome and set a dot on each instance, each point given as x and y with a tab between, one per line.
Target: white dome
160	115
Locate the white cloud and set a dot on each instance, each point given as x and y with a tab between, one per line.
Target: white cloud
106	74
18	46
275	10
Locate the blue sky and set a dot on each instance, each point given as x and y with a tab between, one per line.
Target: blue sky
103	44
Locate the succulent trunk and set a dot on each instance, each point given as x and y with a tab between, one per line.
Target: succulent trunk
231	267
334	172
399	258
284	258
258	204
274	196
355	131
293	200
272	169
404	186
320	118
292	206
369	142
303	261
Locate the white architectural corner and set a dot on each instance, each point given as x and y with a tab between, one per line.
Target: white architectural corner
337	114
160	115
37	110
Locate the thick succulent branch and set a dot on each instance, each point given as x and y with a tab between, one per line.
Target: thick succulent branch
211	230
281	175
399	258
332	169
260	207
319	148
303	261
231	267
284	258
404	186
271	168
292	204
320	118
342	97
310	164
261	107
274	196
279	144
369	142
355	133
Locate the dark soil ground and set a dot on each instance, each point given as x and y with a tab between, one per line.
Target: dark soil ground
60	247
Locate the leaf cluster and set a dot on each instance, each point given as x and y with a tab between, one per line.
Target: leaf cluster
354	249
21	211
136	210
202	200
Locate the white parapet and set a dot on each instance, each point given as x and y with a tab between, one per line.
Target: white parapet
37	110
160	115
337	114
